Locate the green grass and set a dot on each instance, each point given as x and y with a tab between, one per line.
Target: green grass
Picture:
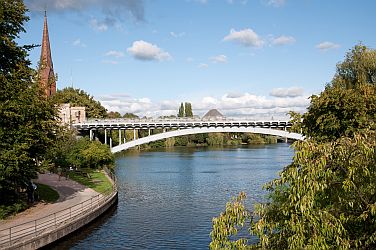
46	193
98	181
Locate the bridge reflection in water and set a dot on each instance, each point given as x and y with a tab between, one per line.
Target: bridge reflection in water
179	127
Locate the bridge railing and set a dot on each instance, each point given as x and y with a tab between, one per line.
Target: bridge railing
185	119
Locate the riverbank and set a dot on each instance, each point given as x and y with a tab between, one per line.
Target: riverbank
44	223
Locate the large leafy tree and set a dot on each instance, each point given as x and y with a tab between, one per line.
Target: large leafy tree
325	199
27	118
78	97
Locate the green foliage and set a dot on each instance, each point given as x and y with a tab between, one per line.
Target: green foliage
79	98
27	118
181	112
113	115
348	104
13	208
130	116
228	223
215	139
46	193
188	109
326	198
81	153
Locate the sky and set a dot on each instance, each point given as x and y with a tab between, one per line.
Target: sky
246	58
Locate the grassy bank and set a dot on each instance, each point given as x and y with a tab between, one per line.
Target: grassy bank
94	179
46	193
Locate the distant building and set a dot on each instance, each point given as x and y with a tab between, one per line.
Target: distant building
47	79
213	114
69	115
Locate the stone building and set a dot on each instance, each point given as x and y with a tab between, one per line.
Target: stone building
69	115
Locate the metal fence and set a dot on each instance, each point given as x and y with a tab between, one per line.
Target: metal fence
28	230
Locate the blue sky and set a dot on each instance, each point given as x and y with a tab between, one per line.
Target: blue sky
246	58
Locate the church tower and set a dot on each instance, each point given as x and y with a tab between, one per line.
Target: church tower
46	70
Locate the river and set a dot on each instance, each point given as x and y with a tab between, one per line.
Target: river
168	198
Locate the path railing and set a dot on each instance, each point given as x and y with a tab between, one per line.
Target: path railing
22	232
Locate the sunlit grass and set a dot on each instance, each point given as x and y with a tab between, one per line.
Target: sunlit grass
97	181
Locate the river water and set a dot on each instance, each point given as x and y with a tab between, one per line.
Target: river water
168	198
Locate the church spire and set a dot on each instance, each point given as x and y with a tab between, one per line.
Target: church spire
46	71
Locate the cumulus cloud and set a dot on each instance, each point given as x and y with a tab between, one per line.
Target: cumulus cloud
276	3
287	92
145	51
219	59
114	53
283	40
231	105
324	46
246	37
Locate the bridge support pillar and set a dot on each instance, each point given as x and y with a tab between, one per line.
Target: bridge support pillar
105	136
110	142
134	134
125	136
285	137
119	136
91	134
149	131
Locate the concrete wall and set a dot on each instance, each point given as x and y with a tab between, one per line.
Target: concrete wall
64	230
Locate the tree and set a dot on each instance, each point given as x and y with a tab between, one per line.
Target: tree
130	116
188	110
326	198
79	98
113	115
181	112
348	104
27	118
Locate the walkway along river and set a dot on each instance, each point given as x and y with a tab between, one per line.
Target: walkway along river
167	198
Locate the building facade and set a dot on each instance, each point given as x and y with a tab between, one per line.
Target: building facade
70	115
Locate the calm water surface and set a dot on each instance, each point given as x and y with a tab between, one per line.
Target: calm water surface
168	198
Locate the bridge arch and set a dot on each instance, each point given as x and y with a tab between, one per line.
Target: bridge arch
191	131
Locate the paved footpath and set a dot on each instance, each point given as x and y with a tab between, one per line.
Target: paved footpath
71	193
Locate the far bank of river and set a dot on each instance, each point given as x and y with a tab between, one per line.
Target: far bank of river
167	198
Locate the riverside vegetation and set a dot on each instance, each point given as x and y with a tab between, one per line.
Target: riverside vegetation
31	139
326	198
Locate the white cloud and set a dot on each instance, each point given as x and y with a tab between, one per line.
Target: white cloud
78	43
98	25
203	65
147	52
231	105
246	37
276	3
219	59
283	40
114	53
324	46
287	92
190	59
177	35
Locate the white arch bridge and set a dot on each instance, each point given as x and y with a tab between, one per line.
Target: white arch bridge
180	127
